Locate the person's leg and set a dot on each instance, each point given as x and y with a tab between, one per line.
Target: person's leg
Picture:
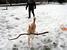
29	13
33	13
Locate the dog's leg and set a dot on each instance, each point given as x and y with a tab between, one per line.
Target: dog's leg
29	40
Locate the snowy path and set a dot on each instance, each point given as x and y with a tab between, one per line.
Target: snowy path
49	17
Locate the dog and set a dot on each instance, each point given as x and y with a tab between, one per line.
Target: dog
63	28
31	30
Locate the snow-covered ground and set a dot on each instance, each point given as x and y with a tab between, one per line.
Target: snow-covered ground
49	17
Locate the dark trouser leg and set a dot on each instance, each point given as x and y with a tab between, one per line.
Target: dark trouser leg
33	13
29	13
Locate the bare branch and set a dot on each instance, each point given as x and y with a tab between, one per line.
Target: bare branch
28	34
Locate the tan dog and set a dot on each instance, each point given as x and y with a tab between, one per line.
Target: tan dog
31	30
63	28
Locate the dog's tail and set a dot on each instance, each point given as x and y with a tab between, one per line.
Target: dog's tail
34	19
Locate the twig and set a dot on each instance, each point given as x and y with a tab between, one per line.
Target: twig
28	34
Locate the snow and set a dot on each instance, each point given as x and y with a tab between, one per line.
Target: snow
49	17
